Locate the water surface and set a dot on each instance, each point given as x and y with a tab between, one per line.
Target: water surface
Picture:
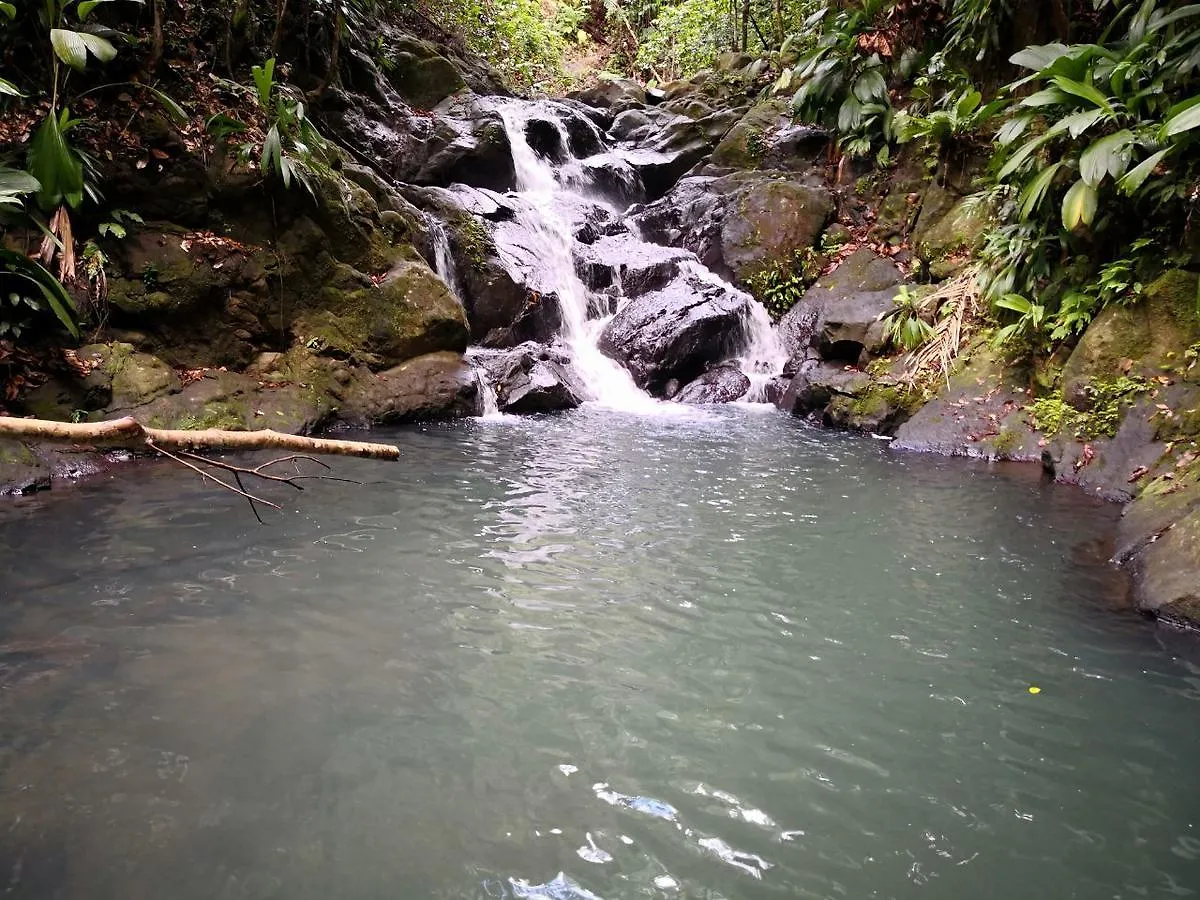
715	656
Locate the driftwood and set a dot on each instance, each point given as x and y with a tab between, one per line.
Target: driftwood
179	446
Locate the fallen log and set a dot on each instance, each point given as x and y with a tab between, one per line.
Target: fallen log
180	446
130	433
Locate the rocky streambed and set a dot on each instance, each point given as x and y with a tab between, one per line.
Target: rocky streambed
474	252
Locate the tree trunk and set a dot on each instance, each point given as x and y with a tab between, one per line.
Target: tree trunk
745	25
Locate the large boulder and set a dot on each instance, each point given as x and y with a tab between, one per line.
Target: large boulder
420	74
674	334
613	94
532	378
410	312
739	224
839	316
766	138
539	320
1139	339
434	386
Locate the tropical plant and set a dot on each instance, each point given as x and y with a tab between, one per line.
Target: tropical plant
1106	132
956	118
27	289
844	78
906	325
293	149
1028	332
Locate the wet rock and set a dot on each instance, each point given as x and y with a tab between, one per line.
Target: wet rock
614	94
532	378
723	384
839	316
739	224
676	332
613	177
636	267
434	386
981	414
420	74
540	320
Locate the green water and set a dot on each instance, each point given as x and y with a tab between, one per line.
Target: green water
717	656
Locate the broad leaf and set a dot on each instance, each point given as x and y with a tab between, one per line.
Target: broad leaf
72	47
1038	57
272	152
967	104
1078	123
1015	303
1013	129
1108	156
16	183
850	115
870	86
1137	176
1184	12
1079	205
58	167
1034	192
1022	156
1084	91
9	89
1185	120
9	10
1050	96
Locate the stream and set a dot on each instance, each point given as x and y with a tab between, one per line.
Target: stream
705	653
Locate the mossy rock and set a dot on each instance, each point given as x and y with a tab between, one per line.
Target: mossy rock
745	146
1147	338
22	471
938	237
1168	579
136	378
772	220
422	76
411	312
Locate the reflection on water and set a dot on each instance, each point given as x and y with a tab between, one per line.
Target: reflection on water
590	656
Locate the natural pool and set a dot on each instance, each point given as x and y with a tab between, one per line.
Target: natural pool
715	655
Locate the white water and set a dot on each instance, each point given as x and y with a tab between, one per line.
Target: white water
550	238
443	259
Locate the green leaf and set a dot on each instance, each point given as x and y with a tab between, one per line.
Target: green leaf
1171	18
9	89
850	115
56	165
1084	91
9	10
870	86
1022	156
1050	96
272	153
1079	205
112	228
1137	176
1014	303
69	47
51	288
1038	57
1078	123
1013	129
264	80
1108	156
72	47
1185	120
16	183
1032	195
174	110
967	104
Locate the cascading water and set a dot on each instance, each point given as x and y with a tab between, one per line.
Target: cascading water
443	258
541	242
550	240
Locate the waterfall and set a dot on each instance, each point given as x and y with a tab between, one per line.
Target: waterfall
551	242
544	249
443	259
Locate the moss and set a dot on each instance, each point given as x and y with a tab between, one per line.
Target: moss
473	238
1108	399
1006	442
